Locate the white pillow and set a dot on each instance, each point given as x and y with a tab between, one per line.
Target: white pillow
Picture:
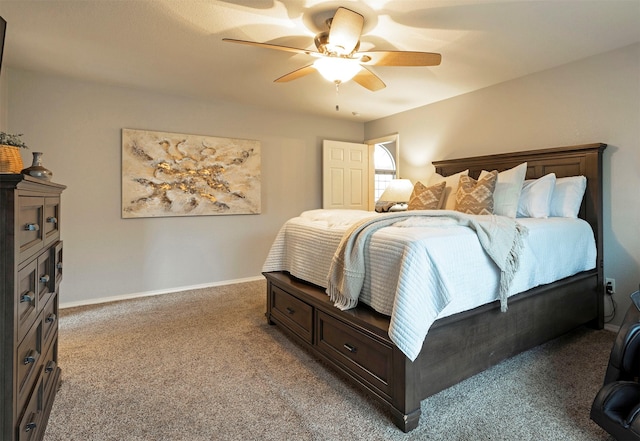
567	196
535	198
451	187
508	189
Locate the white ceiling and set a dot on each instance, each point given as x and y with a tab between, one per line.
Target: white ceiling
175	46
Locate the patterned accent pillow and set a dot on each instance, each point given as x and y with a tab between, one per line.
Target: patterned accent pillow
476	197
426	198
449	198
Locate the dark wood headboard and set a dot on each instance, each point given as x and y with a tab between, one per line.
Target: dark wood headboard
585	160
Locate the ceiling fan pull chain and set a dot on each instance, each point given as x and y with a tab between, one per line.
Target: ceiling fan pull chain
337	94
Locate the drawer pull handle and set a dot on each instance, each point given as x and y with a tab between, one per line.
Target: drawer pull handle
31	357
50	318
32	227
59	265
52	220
30	425
350	348
44	278
50	367
28	297
290	311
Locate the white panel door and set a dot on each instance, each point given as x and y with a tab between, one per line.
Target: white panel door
345	175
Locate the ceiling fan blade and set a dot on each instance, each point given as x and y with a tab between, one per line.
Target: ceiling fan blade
306	70
399	58
295	50
345	30
369	80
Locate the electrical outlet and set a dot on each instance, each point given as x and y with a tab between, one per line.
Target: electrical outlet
610	283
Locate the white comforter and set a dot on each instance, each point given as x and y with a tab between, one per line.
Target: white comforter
554	248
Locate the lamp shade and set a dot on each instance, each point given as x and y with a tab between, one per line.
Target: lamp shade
337	69
398	190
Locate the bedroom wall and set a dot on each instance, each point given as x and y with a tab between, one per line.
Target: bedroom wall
593	100
4	100
78	127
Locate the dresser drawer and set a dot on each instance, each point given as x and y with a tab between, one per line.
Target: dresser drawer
49	322
30	226
292	313
51	219
28	363
363	355
27	298
57	264
49	373
30	422
45	278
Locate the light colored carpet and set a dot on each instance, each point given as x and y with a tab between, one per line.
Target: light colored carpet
205	365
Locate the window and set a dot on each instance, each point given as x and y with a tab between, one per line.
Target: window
385	169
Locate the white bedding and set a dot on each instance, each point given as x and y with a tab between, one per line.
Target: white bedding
553	249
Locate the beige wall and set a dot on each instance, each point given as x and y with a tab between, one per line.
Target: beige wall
4	99
593	100
78	127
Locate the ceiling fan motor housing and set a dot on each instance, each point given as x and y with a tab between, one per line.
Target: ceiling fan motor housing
326	48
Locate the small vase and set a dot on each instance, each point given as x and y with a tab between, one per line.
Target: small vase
37	170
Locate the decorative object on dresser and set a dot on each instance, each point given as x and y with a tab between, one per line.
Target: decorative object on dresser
10	159
356	342
30	275
37	170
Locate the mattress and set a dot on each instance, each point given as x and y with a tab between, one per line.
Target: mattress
454	264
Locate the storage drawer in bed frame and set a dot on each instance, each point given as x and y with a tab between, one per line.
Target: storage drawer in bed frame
355	342
309	316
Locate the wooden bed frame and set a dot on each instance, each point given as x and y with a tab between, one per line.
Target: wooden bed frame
356	342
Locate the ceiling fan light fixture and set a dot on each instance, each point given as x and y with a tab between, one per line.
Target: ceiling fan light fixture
337	69
338	57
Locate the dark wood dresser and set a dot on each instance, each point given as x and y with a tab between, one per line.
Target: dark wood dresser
30	274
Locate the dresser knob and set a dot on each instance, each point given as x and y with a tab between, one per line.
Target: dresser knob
30	426
32	227
59	265
290	311
44	278
50	367
52	220
31	358
50	318
26	297
350	348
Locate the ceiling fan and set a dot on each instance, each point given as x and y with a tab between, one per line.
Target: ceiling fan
338	58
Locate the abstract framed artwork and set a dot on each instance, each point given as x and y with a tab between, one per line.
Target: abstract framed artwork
171	174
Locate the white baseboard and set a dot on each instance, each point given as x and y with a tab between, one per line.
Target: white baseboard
155	293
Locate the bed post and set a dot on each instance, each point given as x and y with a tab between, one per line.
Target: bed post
593	207
405	410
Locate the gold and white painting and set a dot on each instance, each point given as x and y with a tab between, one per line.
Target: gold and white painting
172	174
